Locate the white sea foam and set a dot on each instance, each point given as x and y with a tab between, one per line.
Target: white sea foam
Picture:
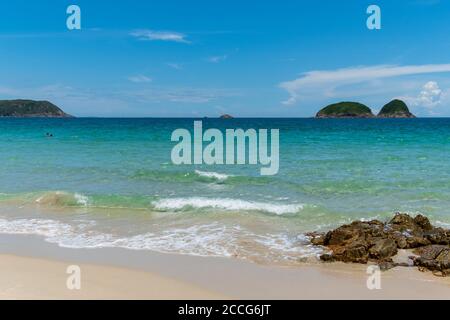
81	199
46	228
213	175
202	240
221	241
443	224
293	246
226	204
213	239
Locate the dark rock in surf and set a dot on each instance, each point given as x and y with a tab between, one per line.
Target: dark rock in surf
435	258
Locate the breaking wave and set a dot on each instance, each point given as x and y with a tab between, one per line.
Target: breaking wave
213	175
60	198
66	199
226	204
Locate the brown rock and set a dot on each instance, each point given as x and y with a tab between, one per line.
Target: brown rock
356	253
435	258
360	242
399	239
423	222
417	241
327	257
316	238
429	252
401	219
409	232
438	236
402	222
386	265
340	236
383	249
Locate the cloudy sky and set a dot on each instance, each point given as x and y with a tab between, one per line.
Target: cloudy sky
204	58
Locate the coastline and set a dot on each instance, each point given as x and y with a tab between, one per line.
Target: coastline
34	269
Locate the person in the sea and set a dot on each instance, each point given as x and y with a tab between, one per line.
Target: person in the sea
49	135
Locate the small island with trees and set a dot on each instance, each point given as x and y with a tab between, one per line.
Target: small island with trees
30	109
395	109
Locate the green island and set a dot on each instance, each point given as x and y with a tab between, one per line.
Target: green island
30	109
395	109
345	110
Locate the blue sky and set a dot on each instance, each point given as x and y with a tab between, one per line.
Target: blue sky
204	58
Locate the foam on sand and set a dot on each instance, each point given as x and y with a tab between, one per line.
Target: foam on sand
207	240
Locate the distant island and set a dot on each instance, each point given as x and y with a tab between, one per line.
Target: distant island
394	109
226	116
345	110
30	109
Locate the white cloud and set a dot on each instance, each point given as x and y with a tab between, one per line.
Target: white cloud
151	35
178	95
327	80
140	79
429	97
217	59
175	66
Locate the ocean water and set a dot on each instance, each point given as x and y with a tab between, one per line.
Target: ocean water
110	183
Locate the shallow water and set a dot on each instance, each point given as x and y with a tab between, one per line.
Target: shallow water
110	183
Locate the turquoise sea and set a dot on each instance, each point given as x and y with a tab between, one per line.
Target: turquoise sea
111	183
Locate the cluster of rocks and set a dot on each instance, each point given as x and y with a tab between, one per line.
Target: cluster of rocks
361	242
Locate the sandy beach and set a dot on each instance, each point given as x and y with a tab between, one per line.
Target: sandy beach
33	269
30	278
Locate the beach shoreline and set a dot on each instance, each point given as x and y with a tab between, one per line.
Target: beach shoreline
35	269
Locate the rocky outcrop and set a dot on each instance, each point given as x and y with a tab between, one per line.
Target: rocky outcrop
361	242
30	109
435	258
